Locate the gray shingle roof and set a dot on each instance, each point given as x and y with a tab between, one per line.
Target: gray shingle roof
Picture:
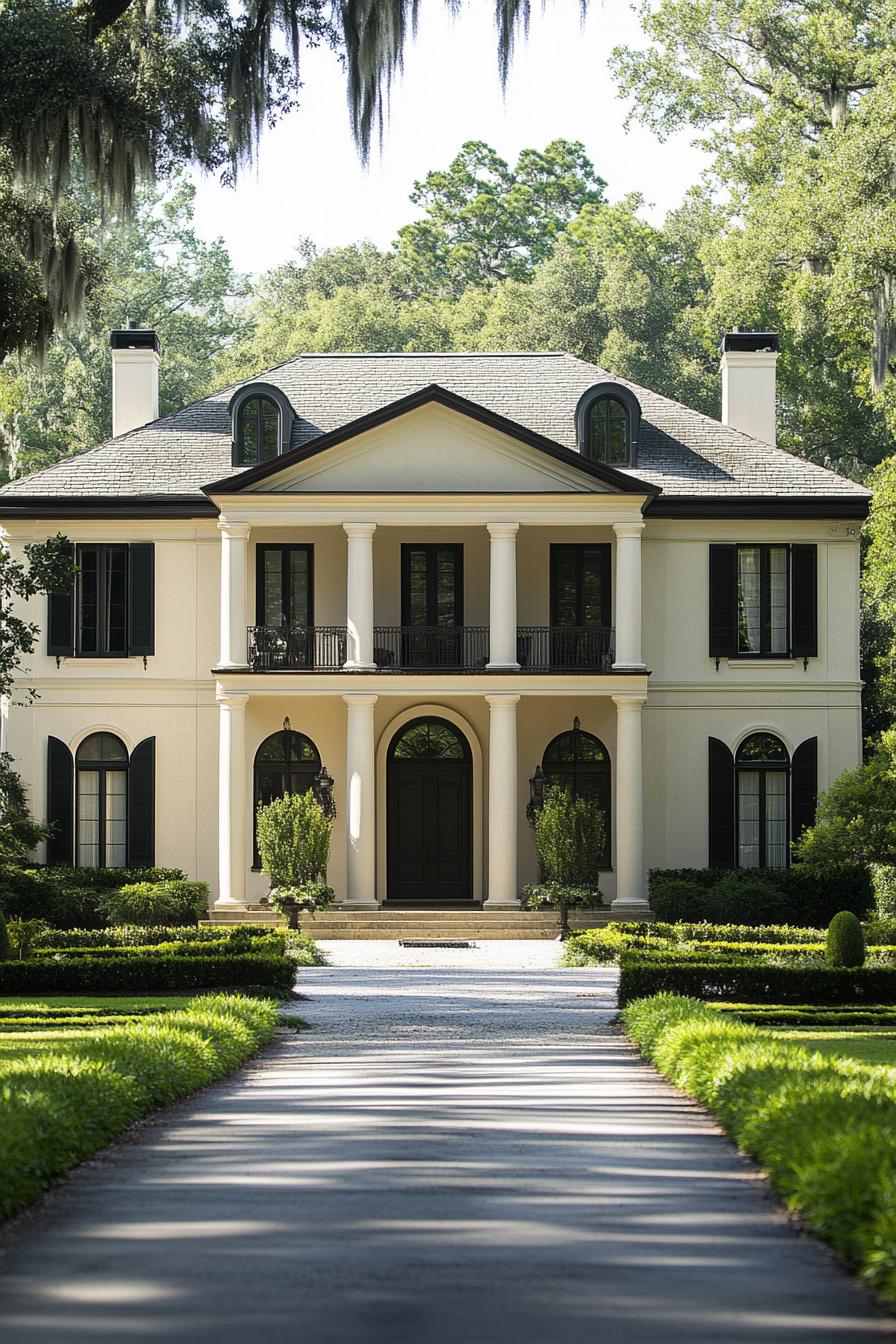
681	450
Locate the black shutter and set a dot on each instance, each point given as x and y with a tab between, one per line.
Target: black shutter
60	802
803	787
721	805
141	599
142	805
804	601
61	617
722	601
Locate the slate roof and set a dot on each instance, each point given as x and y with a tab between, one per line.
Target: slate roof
686	454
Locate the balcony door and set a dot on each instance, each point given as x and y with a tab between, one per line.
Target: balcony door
285	603
581	604
432	604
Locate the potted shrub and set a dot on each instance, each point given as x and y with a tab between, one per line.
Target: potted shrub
294	845
570	834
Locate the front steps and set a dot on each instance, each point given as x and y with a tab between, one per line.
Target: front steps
391	925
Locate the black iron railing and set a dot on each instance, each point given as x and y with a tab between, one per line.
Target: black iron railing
565	648
294	648
430	648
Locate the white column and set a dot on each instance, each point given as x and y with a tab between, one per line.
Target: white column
359	596
503	806
234	594
628	595
629	803
360	781
233	821
502	596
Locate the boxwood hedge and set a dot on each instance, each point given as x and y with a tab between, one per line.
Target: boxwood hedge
795	895
752	981
823	1128
146	974
58	1108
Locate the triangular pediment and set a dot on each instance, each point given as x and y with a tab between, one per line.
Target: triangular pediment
431	443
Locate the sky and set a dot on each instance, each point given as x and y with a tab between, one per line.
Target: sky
309	181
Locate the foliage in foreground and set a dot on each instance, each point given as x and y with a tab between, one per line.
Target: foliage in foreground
58	1108
824	1129
570	834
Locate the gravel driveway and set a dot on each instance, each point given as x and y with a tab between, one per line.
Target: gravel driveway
460	1153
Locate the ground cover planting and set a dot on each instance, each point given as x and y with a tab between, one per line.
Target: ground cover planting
823	1126
70	1083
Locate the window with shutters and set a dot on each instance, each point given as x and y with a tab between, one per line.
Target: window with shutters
109	610
762	779
101	802
763	601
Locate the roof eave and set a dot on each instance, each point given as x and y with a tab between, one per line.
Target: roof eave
760	506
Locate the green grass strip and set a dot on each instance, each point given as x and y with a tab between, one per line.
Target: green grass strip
63	1097
822	1127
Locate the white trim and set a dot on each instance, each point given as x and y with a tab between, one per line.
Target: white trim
382	749
763	728
76	741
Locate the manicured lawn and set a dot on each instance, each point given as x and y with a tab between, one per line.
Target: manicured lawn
74	1072
861	1043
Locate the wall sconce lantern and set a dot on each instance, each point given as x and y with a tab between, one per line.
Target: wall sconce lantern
323	792
536	794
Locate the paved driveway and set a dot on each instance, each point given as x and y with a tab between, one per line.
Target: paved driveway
463	1155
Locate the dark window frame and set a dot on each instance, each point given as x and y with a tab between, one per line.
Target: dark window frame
603	551
285	549
290	769
595	769
589	402
763	768
432	548
102	768
765	653
258	400
102	549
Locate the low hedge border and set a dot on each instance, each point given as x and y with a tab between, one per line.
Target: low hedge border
273	945
824	1129
146	974
149	935
753	982
56	1109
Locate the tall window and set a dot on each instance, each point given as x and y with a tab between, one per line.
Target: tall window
763	600
286	762
102	802
102	587
580	763
257	431
284	586
609	432
762	774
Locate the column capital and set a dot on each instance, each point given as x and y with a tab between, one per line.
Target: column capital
359	529
231	699
628	529
503	701
502	529
360	698
623	702
236	530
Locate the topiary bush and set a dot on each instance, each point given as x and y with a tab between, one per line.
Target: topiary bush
156	903
799	895
845	942
68	898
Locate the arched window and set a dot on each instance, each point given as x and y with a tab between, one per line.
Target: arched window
257	431
608	420
286	762
580	763
430	740
762	774
101	767
261	419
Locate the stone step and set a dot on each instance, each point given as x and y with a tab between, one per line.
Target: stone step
392	925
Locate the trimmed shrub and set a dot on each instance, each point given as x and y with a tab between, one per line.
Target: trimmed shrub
57	1109
68	898
274	945
146	974
797	895
824	1129
138	935
752	982
179	902
845	943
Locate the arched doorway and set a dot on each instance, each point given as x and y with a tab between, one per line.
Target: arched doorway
580	763
429	815
286	762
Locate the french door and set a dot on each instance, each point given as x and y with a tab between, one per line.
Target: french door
284	585
581	603
432	604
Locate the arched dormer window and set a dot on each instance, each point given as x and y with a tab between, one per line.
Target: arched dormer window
261	419
608	421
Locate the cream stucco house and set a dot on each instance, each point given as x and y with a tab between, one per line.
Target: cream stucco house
429	579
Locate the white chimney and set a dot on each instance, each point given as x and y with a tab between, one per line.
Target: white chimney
748	382
135	378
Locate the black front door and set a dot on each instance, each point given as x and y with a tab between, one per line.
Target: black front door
432	604
429	826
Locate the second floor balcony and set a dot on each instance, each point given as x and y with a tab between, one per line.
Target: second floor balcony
420	648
